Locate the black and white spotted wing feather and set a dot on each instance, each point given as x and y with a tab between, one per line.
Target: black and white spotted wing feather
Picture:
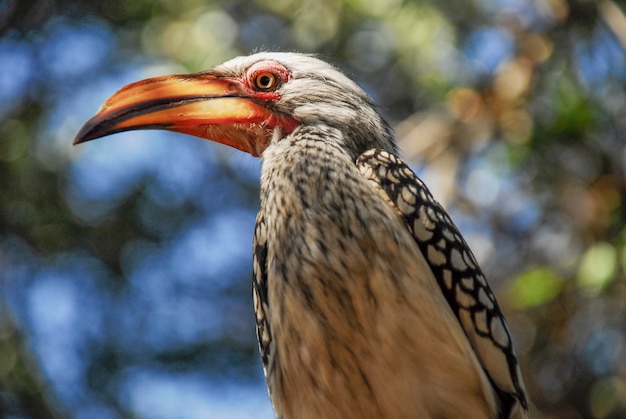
457	272
259	289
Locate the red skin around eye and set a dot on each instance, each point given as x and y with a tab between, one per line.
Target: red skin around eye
278	70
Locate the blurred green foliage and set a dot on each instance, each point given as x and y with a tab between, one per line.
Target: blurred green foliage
511	111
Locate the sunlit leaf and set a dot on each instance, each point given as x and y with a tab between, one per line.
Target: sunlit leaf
535	287
597	266
605	396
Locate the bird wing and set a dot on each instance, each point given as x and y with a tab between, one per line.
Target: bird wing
259	289
454	266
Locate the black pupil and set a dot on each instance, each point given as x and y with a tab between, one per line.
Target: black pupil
265	81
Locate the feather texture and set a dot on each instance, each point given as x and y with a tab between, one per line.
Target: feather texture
351	318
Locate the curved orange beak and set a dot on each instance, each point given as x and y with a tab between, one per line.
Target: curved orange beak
203	105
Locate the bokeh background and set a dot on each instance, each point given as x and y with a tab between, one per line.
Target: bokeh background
125	263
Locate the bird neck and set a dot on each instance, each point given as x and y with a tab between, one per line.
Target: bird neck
352	139
291	162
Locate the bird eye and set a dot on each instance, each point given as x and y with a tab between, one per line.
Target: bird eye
265	80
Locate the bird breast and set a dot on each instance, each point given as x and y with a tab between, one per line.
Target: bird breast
359	326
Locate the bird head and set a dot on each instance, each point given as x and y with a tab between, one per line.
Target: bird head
246	103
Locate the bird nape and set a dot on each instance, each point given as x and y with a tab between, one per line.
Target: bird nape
368	301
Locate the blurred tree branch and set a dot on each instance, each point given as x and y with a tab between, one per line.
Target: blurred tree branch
22	389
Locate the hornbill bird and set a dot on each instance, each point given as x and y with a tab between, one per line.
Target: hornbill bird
368	301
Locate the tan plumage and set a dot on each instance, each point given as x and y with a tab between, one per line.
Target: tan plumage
369	303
